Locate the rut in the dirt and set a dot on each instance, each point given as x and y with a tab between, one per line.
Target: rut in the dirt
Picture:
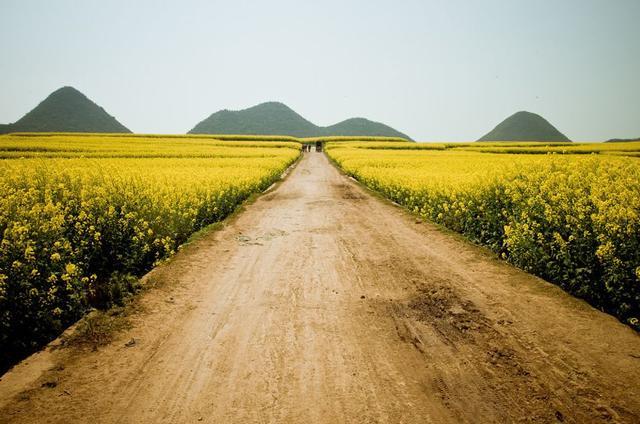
321	303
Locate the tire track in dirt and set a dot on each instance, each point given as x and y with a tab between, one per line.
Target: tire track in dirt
322	303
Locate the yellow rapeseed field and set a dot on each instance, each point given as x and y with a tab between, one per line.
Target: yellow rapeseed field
573	219
79	215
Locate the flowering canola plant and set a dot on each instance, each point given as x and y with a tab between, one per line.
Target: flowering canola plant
73	224
571	219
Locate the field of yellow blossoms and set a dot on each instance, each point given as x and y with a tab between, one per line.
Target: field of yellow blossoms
81	214
567	213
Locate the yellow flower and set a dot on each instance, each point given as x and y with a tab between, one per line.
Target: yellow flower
70	268
29	253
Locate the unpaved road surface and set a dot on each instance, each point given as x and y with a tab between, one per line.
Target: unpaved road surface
322	304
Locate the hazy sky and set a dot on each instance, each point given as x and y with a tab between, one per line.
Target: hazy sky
436	70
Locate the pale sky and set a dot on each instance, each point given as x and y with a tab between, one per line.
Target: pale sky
436	70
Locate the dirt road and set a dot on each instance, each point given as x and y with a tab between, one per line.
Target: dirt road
323	304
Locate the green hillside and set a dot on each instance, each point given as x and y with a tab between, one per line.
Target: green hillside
362	126
622	140
271	118
67	110
524	126
274	118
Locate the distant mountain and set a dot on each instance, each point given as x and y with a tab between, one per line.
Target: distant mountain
622	140
274	118
67	110
270	118
524	126
362	126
